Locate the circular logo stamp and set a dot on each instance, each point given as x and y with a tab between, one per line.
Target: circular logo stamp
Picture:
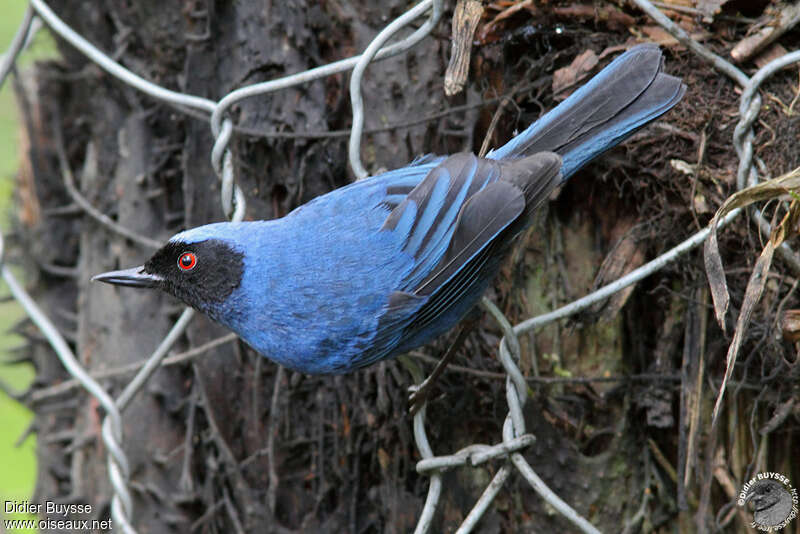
773	500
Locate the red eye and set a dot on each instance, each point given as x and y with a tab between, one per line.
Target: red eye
187	261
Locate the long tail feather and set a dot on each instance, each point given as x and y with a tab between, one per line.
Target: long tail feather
623	97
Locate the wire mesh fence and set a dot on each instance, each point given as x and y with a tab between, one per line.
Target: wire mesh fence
514	439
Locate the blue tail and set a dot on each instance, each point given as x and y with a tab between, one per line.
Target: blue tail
623	97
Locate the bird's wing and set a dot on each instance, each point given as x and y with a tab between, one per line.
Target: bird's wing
452	229
486	224
522	186
427	217
456	224
398	183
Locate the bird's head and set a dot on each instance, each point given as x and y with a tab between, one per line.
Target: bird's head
200	269
764	494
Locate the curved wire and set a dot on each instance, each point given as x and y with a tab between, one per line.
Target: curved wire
313	74
356	100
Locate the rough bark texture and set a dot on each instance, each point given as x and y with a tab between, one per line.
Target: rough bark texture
229	442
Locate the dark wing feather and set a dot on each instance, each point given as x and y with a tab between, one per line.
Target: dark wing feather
428	215
399	183
523	185
483	217
485	222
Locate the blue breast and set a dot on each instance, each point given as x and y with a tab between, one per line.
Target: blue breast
316	282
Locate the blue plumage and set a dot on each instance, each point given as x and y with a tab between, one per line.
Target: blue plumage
386	264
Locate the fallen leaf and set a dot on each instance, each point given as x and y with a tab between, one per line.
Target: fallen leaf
790	325
709	8
488	33
683	166
775	51
659	35
700	204
713	262
773	24
788	183
580	68
755	286
611	15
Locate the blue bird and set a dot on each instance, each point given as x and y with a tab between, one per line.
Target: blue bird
386	264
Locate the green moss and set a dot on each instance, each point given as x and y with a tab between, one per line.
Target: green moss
18	460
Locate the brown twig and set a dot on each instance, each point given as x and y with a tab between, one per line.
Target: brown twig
421	393
69	385
781	22
272	430
552	380
80	200
465	22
